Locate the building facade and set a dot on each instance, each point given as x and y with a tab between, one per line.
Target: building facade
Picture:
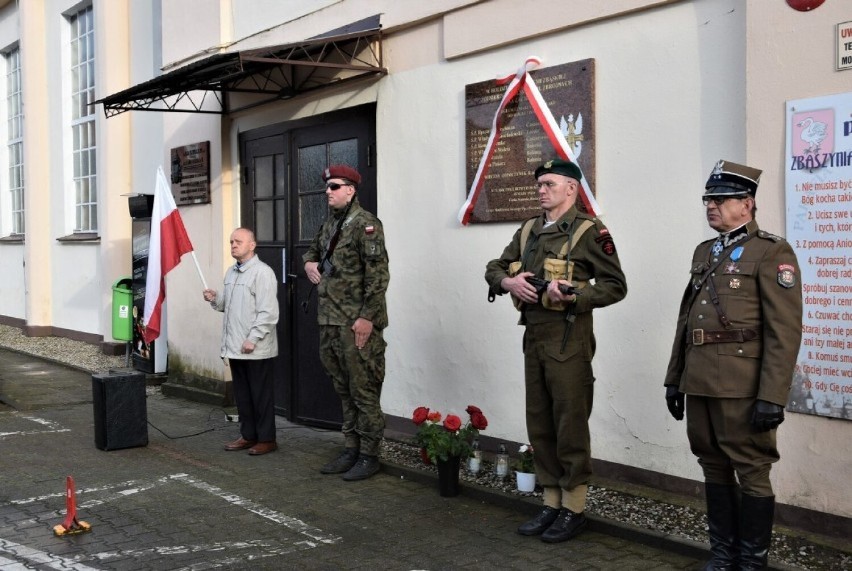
678	85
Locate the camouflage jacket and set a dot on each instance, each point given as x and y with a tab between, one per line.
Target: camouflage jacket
356	285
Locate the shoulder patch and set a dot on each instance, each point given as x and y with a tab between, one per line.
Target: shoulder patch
604	238
786	275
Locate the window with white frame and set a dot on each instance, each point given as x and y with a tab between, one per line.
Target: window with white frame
83	120
15	138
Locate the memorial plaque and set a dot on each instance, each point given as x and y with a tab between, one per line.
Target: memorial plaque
191	174
508	191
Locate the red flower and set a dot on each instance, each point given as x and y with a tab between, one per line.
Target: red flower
478	420
472	409
452	422
434	416
421	413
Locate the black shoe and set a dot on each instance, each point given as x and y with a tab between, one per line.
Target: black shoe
365	467
539	523
566	526
342	463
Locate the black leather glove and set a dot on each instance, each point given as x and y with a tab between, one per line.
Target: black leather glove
674	400
766	415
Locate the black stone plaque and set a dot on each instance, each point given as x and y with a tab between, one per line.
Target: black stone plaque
191	174
508	191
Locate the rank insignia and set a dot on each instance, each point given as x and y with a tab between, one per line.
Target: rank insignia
732	268
786	275
734	283
369	230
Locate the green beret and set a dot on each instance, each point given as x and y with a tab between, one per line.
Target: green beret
558	166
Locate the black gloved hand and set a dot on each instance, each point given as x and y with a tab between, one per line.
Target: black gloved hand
766	415
674	400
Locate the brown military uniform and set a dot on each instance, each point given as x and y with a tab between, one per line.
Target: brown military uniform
559	382
724	359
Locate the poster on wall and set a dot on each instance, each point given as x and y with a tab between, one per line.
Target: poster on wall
819	226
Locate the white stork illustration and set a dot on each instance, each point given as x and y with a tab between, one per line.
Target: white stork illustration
813	133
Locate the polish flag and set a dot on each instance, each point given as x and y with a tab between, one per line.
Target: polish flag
169	241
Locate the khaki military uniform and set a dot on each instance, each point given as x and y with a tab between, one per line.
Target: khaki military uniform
559	381
354	288
724	364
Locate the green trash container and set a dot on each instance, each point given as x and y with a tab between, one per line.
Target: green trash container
122	310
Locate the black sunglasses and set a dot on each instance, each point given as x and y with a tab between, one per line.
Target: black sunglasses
718	200
335	185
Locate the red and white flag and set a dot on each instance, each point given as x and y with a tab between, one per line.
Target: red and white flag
169	241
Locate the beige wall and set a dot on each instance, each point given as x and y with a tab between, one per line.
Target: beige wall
792	56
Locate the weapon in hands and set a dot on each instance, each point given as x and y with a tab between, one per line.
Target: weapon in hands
540	286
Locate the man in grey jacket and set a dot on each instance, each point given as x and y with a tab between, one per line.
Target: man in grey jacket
249	341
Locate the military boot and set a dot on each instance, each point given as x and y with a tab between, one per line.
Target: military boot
365	467
755	531
342	463
723	524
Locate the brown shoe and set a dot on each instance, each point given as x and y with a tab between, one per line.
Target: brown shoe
239	444
263	448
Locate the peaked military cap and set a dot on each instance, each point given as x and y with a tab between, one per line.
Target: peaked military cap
341	171
732	179
558	166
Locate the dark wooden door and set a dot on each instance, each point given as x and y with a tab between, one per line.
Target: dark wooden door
283	200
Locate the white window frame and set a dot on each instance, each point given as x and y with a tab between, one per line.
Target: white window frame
14	156
83	127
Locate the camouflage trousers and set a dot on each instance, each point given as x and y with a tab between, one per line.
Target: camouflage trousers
357	376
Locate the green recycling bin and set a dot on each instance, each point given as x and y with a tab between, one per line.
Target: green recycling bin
122	310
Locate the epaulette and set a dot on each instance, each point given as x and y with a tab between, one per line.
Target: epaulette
767	236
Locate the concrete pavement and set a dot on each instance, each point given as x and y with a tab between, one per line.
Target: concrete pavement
181	502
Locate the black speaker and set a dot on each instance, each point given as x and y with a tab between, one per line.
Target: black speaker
121	413
141	205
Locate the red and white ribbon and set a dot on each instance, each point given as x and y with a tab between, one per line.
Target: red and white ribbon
523	80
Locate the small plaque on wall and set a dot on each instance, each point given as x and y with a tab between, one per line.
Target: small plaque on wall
508	192
191	174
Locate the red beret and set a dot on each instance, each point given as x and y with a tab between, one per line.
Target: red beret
341	171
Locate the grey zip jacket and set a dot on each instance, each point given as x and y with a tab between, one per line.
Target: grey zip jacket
249	300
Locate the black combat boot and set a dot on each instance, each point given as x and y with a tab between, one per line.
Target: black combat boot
567	525
342	463
723	523
364	467
540	523
756	517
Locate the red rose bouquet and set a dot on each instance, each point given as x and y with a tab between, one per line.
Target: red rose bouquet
448	438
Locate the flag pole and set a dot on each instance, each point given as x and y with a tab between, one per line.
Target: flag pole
198	267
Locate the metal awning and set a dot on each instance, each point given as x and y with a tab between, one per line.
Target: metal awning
230	82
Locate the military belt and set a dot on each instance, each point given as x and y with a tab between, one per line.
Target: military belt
703	337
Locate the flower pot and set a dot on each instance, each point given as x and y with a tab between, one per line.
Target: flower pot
526	481
448	476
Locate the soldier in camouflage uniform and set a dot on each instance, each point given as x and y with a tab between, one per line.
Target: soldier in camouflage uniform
567	247
351	283
737	339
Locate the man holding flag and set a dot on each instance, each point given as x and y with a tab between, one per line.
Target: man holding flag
249	341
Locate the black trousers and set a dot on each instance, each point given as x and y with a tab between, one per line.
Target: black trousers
253	392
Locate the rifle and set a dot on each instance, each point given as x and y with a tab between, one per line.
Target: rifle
325	266
541	285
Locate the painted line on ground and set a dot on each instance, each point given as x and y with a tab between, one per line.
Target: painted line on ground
22	552
315	536
51	425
